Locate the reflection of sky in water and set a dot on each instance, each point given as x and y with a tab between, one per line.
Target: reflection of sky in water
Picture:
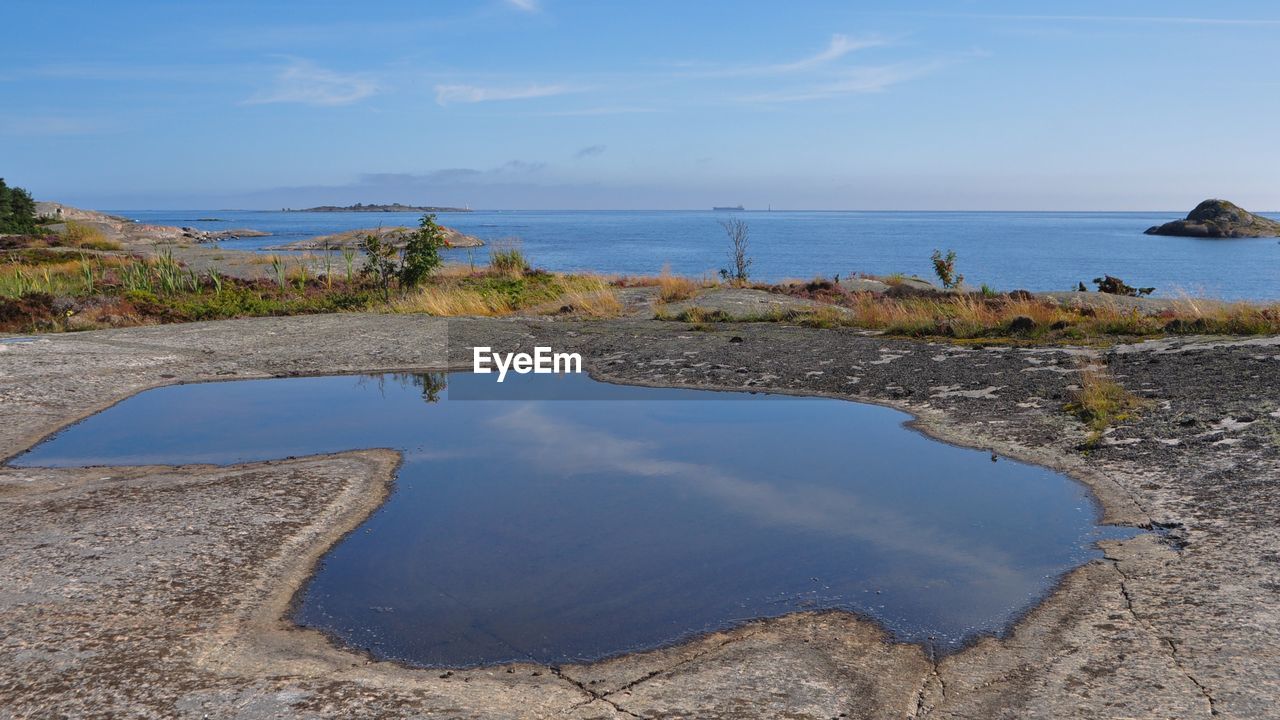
555	530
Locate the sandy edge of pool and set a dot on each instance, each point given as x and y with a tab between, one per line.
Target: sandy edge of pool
809	665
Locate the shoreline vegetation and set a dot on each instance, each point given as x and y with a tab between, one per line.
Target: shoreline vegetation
390	208
65	274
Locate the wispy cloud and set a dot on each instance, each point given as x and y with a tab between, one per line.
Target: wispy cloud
858	80
449	94
529	6
839	46
304	82
589	151
568	449
520	166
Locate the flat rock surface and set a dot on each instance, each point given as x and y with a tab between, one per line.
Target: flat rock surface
743	304
161	591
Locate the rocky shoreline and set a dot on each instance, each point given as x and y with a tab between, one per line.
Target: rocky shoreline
161	590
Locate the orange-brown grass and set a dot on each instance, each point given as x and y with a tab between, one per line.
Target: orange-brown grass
1212	317
498	294
674	288
85	236
989	315
602	303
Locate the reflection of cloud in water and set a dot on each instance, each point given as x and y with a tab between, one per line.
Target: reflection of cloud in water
570	448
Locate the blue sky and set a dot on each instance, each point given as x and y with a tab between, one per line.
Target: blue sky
609	104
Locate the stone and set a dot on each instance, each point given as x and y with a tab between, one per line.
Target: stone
1219	219
1022	324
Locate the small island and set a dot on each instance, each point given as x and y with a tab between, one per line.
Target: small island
395	236
1219	219
393	207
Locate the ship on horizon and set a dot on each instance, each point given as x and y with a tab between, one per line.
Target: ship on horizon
727	208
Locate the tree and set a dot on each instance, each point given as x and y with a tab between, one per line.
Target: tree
17	210
738	234
4	206
422	252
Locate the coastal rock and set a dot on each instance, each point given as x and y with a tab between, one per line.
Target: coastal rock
394	235
861	284
124	230
203	236
1219	219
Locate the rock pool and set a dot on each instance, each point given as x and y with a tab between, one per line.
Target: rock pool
576	520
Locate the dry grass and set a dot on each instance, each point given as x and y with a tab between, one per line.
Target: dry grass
1237	318
823	316
450	300
602	303
495	294
674	288
1101	402
85	236
974	316
1017	316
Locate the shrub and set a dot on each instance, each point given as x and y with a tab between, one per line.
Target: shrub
422	252
944	266
379	263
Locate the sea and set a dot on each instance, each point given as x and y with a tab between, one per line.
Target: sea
1004	250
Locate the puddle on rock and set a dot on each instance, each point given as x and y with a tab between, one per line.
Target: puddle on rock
626	519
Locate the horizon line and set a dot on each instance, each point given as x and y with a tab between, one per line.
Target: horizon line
647	210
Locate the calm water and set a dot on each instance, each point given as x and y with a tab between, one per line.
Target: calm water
570	529
1034	251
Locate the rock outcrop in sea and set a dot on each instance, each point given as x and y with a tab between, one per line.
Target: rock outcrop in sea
1219	219
396	236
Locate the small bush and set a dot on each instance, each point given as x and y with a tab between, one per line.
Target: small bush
508	261
944	266
422	252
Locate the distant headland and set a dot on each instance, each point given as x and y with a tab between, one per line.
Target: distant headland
361	207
